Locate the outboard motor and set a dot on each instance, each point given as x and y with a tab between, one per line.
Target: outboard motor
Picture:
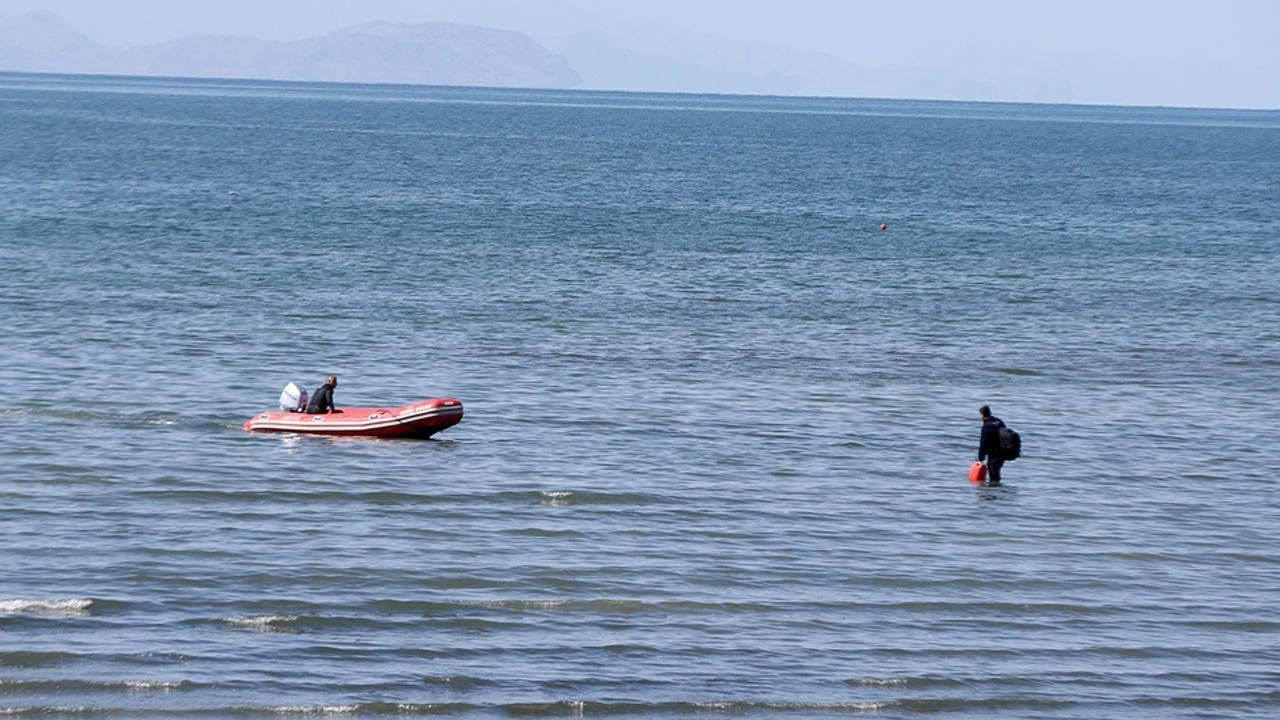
293	399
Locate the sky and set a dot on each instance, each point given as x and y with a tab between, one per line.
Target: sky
1194	53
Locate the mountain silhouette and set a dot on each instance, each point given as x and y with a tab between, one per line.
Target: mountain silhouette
437	53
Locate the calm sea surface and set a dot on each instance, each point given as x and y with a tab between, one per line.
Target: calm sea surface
718	421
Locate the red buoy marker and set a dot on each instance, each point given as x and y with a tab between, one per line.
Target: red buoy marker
977	472
884	226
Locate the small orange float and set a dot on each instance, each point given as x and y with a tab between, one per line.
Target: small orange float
977	472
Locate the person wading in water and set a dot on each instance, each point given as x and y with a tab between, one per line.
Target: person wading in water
988	444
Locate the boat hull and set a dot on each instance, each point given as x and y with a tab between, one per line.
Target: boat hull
421	419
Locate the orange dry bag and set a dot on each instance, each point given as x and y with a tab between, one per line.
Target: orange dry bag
977	472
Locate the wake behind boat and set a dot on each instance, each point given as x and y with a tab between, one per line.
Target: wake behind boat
420	419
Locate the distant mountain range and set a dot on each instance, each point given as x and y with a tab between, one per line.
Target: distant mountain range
441	53
421	54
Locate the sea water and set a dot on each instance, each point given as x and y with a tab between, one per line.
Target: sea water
718	421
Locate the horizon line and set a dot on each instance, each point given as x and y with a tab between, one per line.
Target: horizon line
674	93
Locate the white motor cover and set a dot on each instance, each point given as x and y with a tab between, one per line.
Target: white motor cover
293	398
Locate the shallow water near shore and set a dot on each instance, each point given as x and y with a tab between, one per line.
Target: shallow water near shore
718	423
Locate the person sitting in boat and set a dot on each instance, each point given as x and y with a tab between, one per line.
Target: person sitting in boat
322	398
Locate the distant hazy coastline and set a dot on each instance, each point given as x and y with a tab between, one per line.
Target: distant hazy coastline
427	54
443	53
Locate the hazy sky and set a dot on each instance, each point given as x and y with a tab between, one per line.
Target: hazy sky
1223	53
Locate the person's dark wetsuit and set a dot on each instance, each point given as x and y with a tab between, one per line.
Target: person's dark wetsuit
989	448
321	400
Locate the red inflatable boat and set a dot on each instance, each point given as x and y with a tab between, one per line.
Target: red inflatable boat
421	419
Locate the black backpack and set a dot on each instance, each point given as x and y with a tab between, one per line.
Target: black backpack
1010	443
